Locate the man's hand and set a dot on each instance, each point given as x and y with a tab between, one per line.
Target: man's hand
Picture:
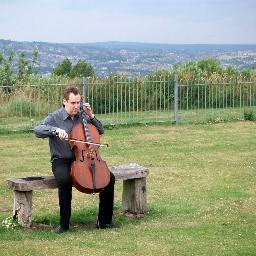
61	134
88	110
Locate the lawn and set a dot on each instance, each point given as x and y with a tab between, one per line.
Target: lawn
201	194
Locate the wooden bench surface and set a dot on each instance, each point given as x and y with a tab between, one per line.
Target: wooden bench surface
121	172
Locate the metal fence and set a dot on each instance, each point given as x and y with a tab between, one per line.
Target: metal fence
115	100
215	101
122	100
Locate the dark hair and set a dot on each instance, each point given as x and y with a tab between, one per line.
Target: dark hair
69	90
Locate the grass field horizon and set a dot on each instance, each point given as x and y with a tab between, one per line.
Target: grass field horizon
201	196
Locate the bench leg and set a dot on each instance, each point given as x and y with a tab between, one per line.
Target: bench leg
22	208
134	196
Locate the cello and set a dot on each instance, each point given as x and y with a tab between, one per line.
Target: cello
90	173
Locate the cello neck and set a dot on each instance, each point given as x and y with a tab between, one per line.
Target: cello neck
86	131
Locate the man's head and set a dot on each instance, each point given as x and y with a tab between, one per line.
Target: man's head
71	100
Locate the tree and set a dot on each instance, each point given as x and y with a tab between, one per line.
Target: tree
35	61
24	68
82	69
6	72
64	68
10	55
1	58
209	65
6	75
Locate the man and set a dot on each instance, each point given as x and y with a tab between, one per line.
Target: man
56	126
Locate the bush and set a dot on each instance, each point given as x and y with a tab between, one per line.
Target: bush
22	105
250	114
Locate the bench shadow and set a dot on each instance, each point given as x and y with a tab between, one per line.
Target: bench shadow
84	219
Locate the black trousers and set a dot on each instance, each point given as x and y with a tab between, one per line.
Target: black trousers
61	169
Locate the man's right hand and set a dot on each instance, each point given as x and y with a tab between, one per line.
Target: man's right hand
61	134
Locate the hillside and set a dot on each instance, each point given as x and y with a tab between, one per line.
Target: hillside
132	58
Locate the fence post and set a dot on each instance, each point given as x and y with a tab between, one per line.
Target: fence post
84	87
176	99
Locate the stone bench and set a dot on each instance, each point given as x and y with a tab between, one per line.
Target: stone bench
133	198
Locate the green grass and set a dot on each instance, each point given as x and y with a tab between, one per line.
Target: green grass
192	116
201	194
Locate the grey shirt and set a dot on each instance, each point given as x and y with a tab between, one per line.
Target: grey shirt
60	119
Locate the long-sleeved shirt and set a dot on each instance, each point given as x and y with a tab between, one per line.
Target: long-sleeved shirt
60	119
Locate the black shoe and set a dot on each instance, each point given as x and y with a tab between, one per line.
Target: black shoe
60	230
106	226
110	226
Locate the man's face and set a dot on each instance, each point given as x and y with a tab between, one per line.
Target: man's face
72	105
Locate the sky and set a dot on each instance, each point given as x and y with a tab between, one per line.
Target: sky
153	21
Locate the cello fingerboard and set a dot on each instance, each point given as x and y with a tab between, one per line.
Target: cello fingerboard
87	132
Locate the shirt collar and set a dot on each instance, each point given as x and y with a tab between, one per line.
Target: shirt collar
65	115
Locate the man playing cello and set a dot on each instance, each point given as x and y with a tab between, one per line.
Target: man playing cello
56	126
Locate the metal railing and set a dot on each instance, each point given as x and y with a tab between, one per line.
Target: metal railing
122	100
216	101
115	100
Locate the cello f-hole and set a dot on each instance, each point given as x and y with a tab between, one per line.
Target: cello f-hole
82	160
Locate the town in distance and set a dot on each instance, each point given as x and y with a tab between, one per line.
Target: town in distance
131	58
